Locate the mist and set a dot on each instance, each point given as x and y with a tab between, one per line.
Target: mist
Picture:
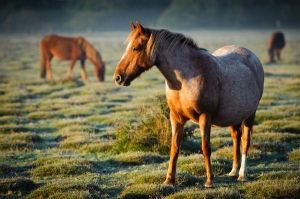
29	16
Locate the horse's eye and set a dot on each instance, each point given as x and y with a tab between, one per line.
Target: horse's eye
138	48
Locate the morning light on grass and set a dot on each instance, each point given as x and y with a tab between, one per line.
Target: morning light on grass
83	138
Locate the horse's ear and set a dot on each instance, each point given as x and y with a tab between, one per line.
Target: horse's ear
132	26
140	28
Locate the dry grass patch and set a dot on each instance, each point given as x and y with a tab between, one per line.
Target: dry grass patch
146	191
18	186
138	158
222	193
84	186
19	141
61	166
295	154
273	189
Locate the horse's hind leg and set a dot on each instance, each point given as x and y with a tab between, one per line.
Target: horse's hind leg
278	52
271	55
49	69
246	138
236	133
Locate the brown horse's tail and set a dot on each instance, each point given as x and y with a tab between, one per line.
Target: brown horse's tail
43	62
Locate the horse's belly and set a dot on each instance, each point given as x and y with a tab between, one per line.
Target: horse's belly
237	103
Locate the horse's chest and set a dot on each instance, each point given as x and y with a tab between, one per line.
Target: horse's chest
184	103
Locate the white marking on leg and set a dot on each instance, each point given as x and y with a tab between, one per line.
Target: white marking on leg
242	172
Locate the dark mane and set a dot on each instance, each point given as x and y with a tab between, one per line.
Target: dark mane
173	39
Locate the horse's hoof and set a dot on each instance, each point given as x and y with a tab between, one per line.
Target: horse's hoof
169	182
208	184
233	174
242	179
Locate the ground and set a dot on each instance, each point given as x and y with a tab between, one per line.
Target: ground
58	140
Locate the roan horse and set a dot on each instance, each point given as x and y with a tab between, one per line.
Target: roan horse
276	43
222	89
70	48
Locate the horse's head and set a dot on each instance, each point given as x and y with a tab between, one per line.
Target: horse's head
95	57
99	67
136	58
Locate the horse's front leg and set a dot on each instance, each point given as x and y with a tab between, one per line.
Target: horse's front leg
70	70
205	126
177	134
83	72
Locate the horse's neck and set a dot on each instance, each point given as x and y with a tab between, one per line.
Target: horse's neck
179	66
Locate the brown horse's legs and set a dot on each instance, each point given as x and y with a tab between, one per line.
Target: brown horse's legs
278	52
177	134
271	55
83	72
43	66
246	138
70	69
236	133
49	69
205	127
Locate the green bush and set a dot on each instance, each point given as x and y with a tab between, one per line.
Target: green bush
150	132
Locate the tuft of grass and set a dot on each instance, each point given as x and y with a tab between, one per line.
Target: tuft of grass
152	132
97	147
287	125
275	137
182	179
138	158
224	193
226	153
19	186
295	154
146	191
19	141
281	175
60	166
85	186
273	189
74	140
194	165
6	170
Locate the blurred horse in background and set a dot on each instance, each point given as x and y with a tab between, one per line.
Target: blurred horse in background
222	89
276	43
70	48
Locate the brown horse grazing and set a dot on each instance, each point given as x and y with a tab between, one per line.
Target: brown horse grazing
276	43
223	89
70	48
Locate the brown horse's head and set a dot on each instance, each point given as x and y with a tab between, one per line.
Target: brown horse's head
95	57
99	67
137	57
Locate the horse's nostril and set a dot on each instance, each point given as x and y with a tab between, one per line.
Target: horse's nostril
118	78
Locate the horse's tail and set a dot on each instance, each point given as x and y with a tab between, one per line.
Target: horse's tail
42	61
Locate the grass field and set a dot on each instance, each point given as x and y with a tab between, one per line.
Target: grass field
95	140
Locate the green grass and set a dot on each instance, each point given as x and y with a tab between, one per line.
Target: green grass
96	140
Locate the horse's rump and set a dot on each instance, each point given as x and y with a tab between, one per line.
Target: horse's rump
241	79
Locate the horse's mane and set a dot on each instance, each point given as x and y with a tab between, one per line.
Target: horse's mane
173	40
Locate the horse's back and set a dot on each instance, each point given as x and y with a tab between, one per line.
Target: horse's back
241	79
60	46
